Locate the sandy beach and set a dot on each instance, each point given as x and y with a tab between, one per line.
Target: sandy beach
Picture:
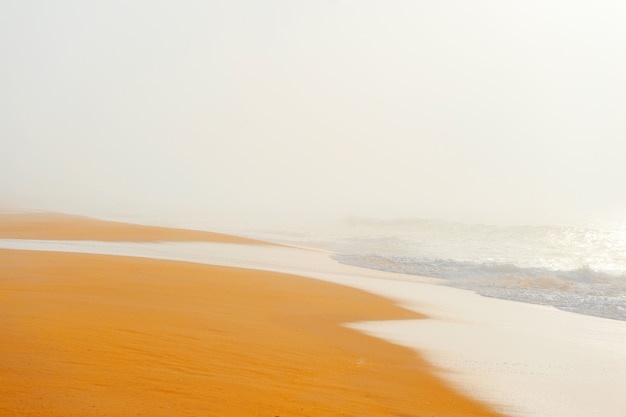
105	335
520	359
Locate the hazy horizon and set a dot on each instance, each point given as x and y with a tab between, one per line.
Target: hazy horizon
474	111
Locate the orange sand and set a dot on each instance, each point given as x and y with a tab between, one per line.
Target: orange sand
65	227
96	335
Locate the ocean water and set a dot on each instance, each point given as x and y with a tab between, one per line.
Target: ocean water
578	269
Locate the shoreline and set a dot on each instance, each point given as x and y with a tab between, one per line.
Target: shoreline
522	359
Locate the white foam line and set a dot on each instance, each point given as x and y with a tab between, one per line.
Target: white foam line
527	360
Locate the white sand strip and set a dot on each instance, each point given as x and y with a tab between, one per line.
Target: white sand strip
525	359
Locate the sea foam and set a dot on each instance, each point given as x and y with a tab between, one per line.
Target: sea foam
575	269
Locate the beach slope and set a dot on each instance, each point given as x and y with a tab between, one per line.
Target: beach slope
99	335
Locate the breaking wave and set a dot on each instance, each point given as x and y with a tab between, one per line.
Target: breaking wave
582	290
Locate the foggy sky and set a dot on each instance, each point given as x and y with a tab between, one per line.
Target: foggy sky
472	110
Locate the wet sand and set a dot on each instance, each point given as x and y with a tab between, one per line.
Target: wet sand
99	335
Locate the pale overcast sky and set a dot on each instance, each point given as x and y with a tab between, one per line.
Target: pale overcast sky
465	110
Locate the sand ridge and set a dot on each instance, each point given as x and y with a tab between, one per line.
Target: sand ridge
54	226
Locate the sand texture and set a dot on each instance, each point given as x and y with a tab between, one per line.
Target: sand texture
66	227
96	335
